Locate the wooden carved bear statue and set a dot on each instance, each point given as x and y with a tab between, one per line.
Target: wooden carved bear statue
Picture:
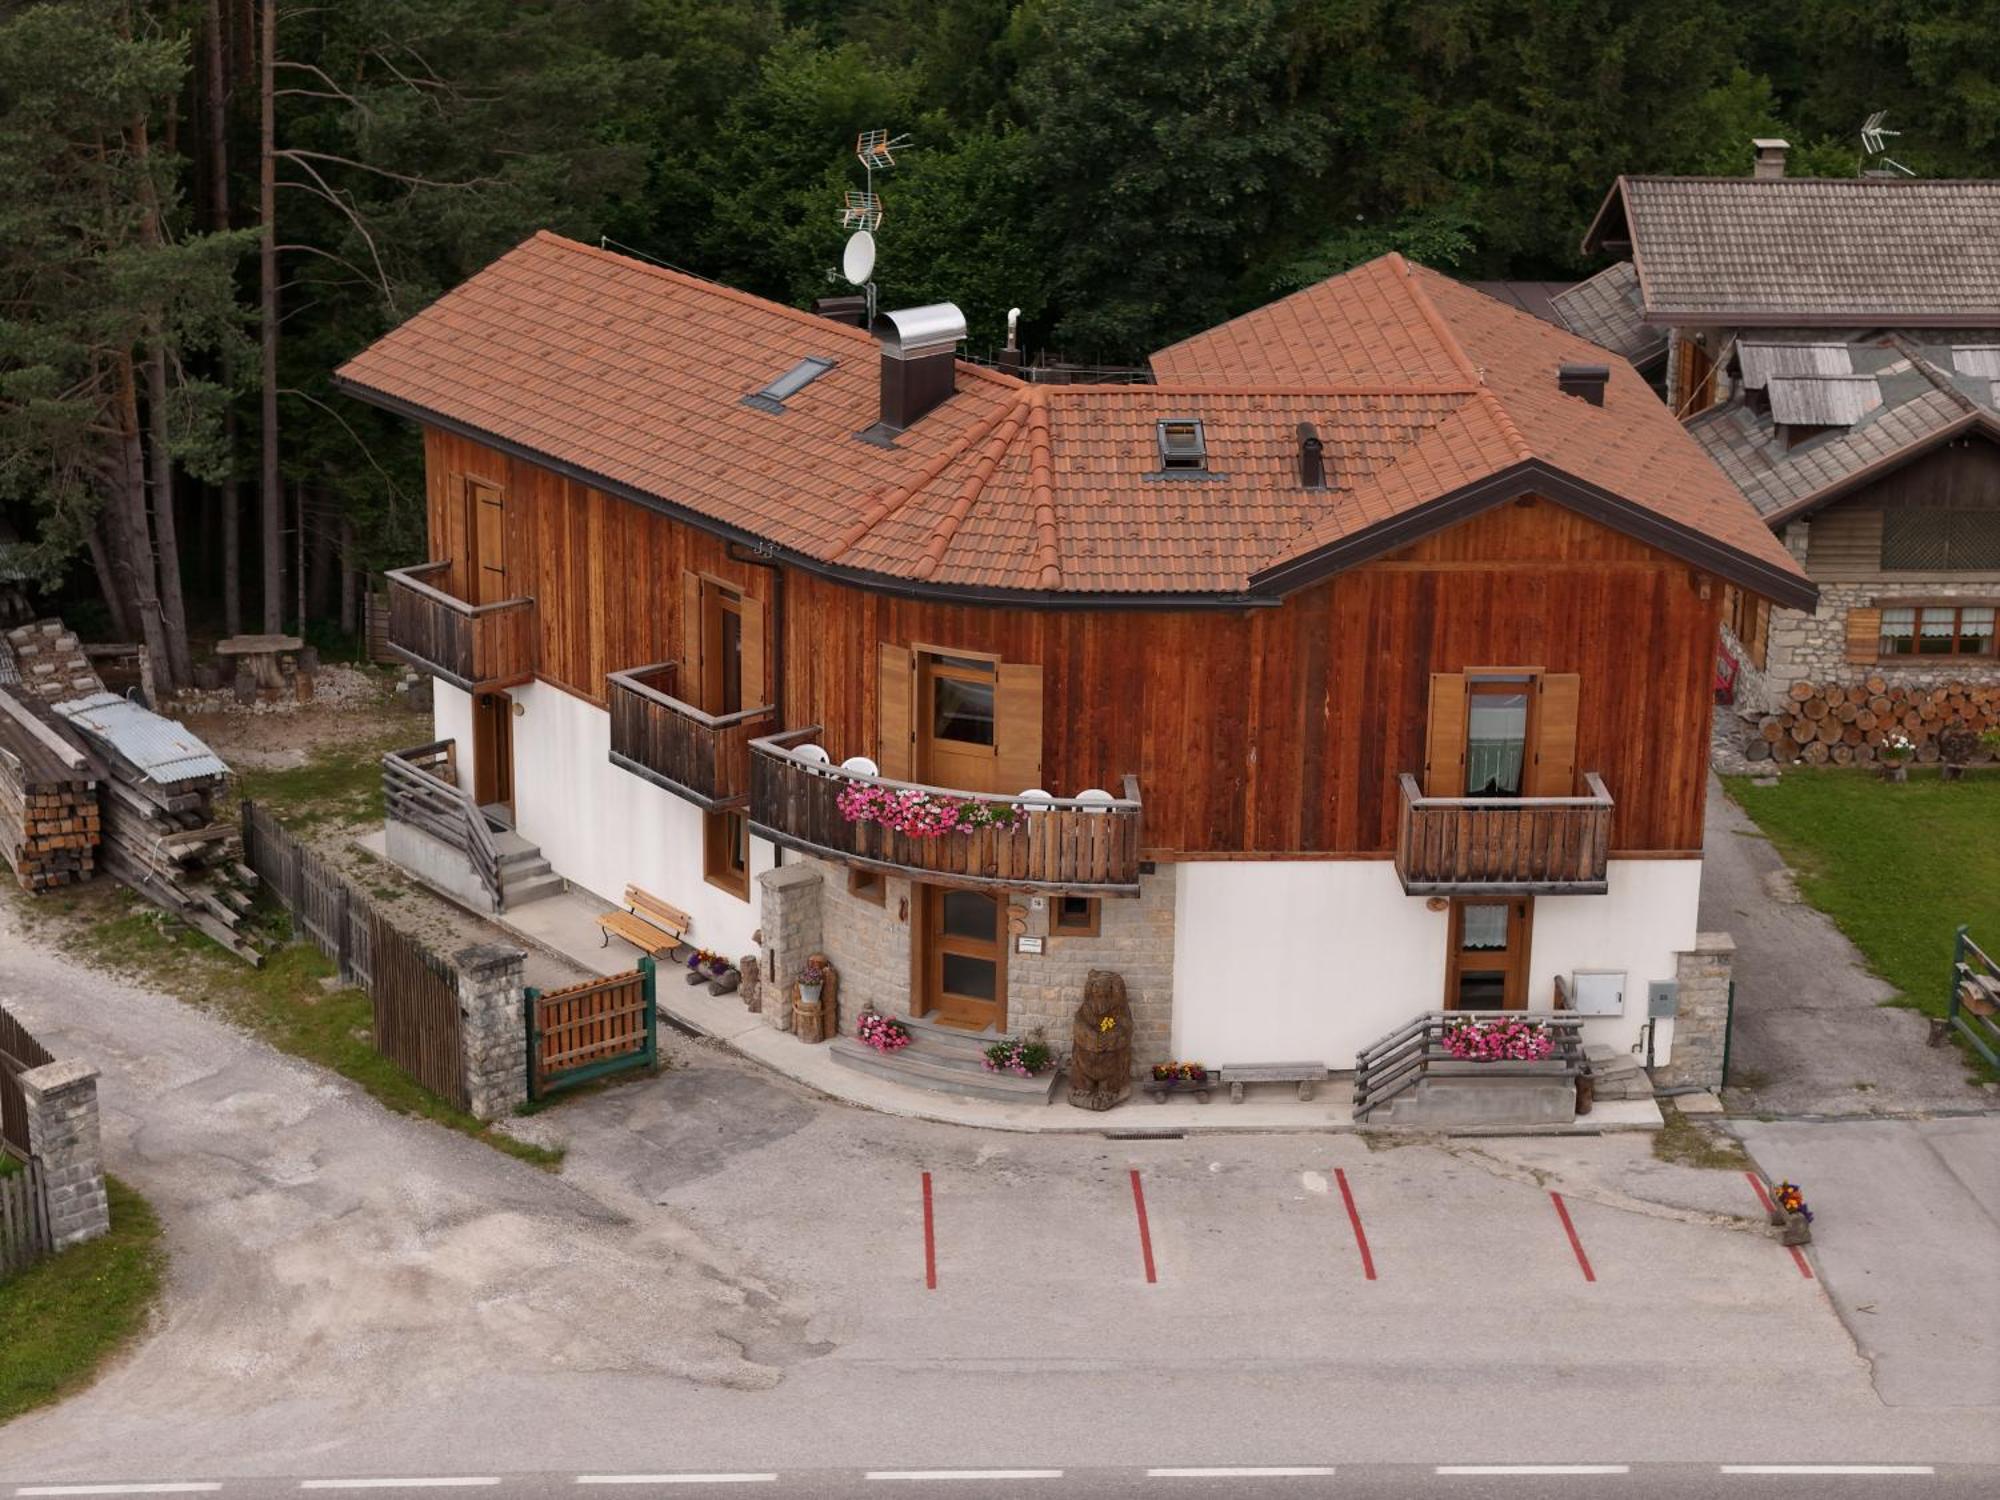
1100	1056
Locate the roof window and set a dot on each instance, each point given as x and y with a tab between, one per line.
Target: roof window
1182	447
773	397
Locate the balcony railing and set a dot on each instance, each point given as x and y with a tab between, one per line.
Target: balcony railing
471	646
1504	846
1063	845
702	757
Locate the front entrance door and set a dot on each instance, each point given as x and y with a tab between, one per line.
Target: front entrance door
962	965
493	750
957	699
1487	967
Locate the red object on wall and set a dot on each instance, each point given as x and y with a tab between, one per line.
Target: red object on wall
1726	668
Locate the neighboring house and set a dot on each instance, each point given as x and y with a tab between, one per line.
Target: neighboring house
1298	638
1835	346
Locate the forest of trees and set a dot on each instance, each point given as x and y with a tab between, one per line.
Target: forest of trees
206	205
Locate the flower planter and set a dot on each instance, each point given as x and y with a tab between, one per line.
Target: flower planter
1895	771
725	984
809	993
1160	1088
1796	1230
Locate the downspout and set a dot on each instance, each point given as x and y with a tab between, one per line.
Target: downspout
742	554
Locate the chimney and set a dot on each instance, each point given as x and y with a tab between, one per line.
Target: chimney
1312	458
1770	157
1586	381
1010	357
919	362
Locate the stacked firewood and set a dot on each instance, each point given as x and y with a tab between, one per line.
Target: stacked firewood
1846	724
52	662
48	801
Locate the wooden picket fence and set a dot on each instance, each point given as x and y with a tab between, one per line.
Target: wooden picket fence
19	1052
416	1011
325	906
585	1031
24	1219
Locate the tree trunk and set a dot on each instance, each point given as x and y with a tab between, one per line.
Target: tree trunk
110	574
321	602
271	494
177	668
130	492
349	578
231	501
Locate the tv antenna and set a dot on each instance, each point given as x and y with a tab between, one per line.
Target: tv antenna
1872	132
862	212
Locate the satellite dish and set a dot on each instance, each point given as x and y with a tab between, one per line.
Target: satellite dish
857	261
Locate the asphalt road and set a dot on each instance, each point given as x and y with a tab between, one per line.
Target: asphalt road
734	1276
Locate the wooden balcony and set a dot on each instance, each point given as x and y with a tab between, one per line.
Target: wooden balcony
1063	845
1504	846
702	757
471	646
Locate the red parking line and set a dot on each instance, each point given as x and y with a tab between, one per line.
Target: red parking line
930	1238
1764	1197
1145	1234
1354	1218
1562	1212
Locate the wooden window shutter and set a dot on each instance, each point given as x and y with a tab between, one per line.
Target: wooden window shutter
1017	727
1864	634
1444	742
1556	695
689	681
489	526
754	687
895	702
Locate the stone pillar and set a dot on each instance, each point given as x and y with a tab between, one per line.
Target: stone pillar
793	930
493	1032
1701	1023
63	1135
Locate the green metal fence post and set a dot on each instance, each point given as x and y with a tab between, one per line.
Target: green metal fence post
646	968
529	996
1957	965
1728	1031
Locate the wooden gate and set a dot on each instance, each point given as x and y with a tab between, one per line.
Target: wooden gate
24	1218
585	1031
416	1011
18	1053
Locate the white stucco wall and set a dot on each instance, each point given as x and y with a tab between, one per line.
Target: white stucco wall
1314	959
603	828
451	718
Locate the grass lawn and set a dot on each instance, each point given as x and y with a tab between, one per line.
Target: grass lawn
1898	868
67	1315
339	784
284	1002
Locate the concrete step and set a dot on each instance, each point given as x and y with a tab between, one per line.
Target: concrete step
942	1075
523	870
510	845
931	1038
520	893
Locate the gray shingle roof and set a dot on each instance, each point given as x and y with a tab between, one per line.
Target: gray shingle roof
1918	394
1605	310
1802	251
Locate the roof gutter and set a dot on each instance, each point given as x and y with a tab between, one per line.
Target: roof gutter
1852	317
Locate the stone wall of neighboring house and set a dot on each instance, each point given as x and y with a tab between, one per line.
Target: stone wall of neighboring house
1701	1019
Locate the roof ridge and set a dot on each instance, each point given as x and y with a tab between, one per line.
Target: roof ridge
1484	392
1042	489
991	451
1932	373
885	501
1221	388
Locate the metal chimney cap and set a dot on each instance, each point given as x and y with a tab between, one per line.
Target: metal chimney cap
921	330
1770	143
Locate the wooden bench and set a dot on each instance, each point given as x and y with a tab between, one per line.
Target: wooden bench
650	924
1305	1074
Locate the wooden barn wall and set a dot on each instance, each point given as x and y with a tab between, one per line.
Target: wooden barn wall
1844	540
1251	732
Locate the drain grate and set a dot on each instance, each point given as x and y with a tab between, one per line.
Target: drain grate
1164	1133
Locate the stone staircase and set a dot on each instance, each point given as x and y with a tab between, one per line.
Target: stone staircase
524	875
945	1060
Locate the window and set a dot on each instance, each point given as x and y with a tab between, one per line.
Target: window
1496	736
962	701
1074	916
1182	445
1940	541
725	852
1938	630
867	885
772	397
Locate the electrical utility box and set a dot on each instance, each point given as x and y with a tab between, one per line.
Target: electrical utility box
1597	992
1663	999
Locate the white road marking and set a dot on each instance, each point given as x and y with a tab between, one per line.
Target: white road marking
178	1487
1292	1472
1828	1469
396	1484
675	1478
934	1474
1534	1469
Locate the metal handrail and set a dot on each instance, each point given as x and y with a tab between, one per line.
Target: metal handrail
478	846
779	746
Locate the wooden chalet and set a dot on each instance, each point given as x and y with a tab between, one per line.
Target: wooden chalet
1359	664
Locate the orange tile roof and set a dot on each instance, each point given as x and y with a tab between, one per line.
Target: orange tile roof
633	377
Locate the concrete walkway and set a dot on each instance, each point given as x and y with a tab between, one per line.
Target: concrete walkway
566	925
1812	1035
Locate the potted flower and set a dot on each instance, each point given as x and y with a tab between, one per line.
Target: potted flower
1179	1078
1024	1057
883	1033
812	980
1956	745
1790	1214
1894	753
1499	1040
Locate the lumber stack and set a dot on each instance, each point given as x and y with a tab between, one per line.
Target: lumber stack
161	835
52	662
1845	724
49	825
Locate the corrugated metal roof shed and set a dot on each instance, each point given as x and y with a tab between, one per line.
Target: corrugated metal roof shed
1762	361
1823	400
167	752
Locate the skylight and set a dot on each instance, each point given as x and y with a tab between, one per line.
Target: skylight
1182	446
773	396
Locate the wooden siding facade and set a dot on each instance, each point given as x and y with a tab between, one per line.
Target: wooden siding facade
1844	540
1263	732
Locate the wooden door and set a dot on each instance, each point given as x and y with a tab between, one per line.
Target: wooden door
486	526
493	750
963	964
721	649
1487	967
958	739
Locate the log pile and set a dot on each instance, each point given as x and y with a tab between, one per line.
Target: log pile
1844	724
161	835
48	801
